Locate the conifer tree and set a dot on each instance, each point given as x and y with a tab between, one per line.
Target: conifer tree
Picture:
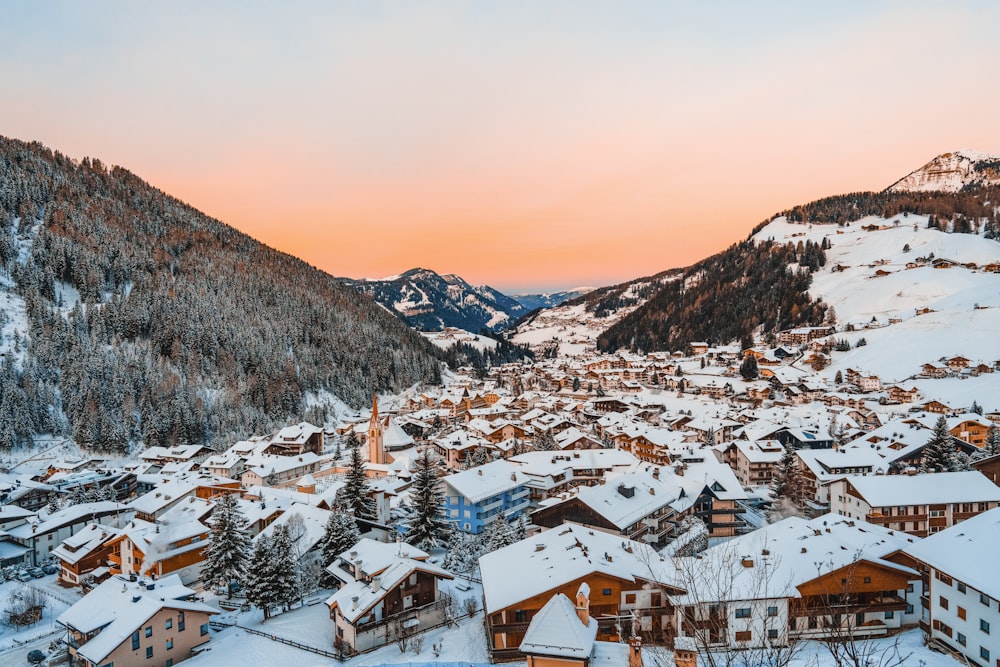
545	442
228	551
992	446
341	534
749	369
789	484
354	495
939	454
260	588
282	567
499	535
428	527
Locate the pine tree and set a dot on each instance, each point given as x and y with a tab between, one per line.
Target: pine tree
499	535
749	369
939	454
428	527
545	442
354	494
228	552
789	484
260	588
992	446
341	534
282	567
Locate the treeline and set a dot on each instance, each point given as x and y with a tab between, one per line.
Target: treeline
977	203
607	300
725	298
159	324
505	352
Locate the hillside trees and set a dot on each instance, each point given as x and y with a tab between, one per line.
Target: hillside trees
149	321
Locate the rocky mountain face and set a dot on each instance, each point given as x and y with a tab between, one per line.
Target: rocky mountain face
952	172
551	300
128	317
430	302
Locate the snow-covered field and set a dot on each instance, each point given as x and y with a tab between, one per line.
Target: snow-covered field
445	339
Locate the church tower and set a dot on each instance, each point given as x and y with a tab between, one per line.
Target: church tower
376	447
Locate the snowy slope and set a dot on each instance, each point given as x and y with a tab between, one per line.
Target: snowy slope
869	274
951	172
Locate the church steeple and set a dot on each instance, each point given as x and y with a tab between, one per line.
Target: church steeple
376	448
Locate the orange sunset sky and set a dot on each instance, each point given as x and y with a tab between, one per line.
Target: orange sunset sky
525	145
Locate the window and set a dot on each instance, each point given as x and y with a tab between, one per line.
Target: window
868	580
743	636
204	629
149	652
149	630
170	662
520	616
772	611
170	643
984	653
961	587
909	588
630	598
772	634
983	599
961	613
606	591
170	623
889	614
743	612
961	639
984	626
135	640
909	609
943	601
180	622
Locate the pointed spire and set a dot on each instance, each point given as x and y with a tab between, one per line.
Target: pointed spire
374	406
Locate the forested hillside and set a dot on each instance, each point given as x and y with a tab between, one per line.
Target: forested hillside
726	298
150	322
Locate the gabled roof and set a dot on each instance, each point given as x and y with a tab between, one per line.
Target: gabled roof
961	551
486	480
119	607
556	630
943	487
556	557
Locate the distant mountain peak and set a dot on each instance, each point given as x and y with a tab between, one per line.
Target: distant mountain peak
952	172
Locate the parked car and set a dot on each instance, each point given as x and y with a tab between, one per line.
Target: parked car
50	568
36	657
24	575
36	572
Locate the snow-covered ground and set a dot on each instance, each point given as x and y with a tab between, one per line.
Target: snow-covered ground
449	337
56	601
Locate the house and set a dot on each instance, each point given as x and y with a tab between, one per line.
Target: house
562	634
133	621
276	470
476	497
41	536
384	588
295	440
627	579
797	579
162	548
961	590
638	506
84	553
917	504
306	526
820	467
754	462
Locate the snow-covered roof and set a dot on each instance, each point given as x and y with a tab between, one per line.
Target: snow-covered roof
486	480
959	551
83	542
555	557
556	630
943	487
627	499
118	607
313	523
66	516
786	554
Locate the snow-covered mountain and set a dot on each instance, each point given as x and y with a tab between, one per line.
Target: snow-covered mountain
951	172
430	302
550	300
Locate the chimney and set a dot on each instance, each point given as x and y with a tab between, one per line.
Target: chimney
747	562
583	603
685	652
634	652
354	602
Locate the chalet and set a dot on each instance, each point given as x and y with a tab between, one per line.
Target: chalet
638	506
273	470
158	549
797	579
384	588
475	498
550	473
41	536
574	439
131	621
961	589
178	454
820	467
754	462
628	580
989	466
801	438
917	504
295	440
957	363
85	553
933	370
901	395
27	493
